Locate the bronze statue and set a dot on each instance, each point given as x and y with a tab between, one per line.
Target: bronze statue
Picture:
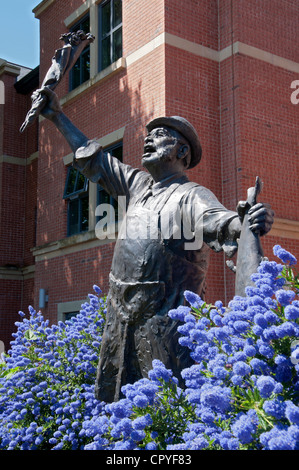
150	274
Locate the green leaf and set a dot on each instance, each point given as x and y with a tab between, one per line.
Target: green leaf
7	373
30	335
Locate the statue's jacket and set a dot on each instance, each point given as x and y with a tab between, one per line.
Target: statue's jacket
162	249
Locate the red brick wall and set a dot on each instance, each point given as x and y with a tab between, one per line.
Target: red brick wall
15	296
16	107
18	188
271	25
268	133
142	22
259	131
30	213
17	206
194	20
12	215
241	107
10	304
71	277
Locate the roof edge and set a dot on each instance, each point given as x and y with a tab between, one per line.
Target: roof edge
41	7
28	82
9	68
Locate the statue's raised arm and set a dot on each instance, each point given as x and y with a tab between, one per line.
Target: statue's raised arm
52	111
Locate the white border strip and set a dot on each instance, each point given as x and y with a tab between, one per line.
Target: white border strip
146	49
208	53
255	53
18	160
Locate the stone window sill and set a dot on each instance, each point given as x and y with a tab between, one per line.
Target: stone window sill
72	244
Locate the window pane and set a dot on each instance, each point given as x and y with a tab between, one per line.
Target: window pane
106	60
76	75
85	25
117	44
71	181
75	183
81	70
117	152
103	197
70	315
106	15
73	217
85	62
80	182
84	214
115	205
117	13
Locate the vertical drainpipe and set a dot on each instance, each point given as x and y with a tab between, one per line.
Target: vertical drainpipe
24	224
234	122
221	142
234	104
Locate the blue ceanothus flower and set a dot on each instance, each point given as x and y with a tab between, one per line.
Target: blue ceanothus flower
253	337
240	393
46	385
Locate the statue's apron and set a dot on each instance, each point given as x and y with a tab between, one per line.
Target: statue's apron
148	277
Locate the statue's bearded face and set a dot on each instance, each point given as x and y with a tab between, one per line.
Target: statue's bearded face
161	146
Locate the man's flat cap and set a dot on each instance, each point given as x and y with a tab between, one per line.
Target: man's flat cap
184	127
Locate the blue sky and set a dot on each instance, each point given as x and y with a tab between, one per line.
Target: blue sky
19	32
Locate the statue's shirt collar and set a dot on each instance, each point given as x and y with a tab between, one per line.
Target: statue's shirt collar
177	178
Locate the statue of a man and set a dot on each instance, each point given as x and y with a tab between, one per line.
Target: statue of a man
150	274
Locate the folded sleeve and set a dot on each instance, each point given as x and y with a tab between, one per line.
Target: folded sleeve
117	178
211	220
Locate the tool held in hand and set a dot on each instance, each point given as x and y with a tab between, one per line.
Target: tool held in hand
63	60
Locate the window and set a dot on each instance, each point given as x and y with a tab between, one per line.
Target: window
103	197
69	315
76	193
81	70
68	310
110	32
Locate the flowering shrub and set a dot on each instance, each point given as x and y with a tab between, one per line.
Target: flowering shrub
241	392
245	381
47	379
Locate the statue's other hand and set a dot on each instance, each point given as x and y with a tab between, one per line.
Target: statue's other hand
261	218
52	106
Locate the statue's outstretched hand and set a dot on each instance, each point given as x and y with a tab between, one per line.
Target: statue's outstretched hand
261	218
52	106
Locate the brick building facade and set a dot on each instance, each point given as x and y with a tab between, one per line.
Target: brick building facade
227	66
18	186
